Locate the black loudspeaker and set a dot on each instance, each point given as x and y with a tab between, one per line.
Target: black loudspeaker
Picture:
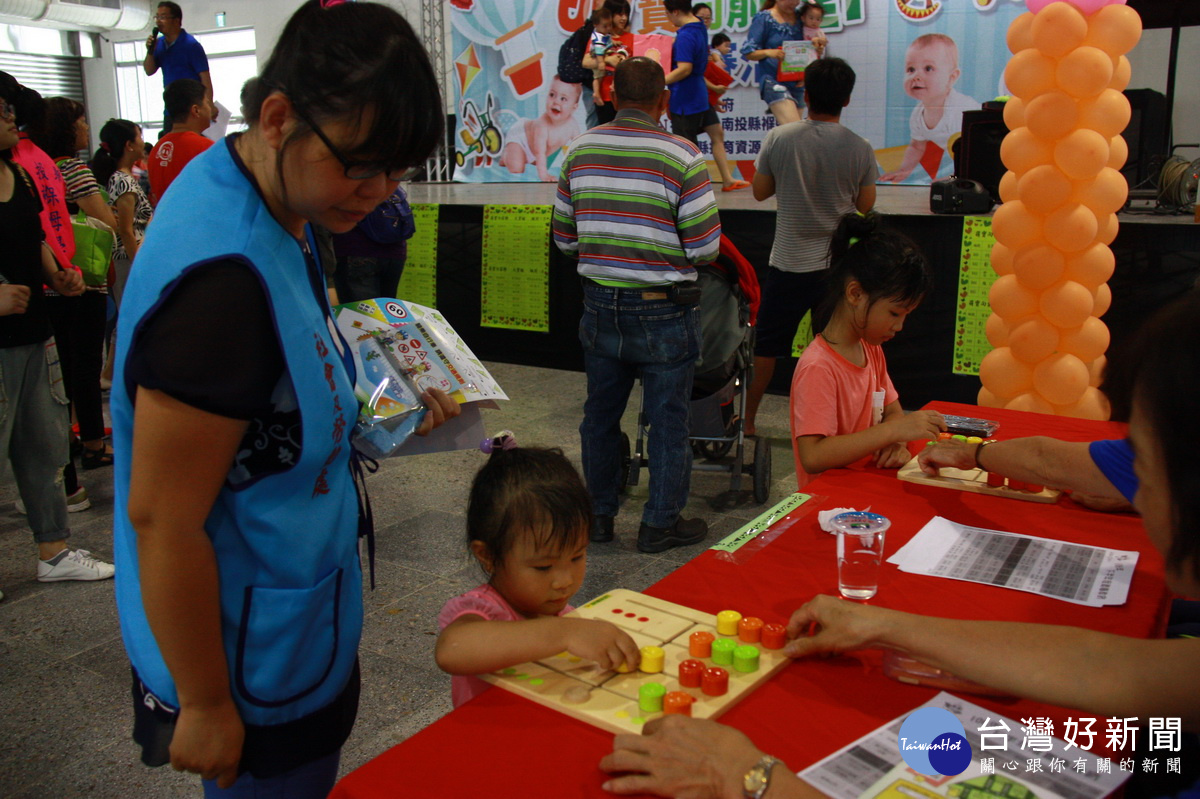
977	152
1146	135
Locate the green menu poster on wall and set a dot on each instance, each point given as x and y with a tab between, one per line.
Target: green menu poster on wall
975	278
418	282
516	267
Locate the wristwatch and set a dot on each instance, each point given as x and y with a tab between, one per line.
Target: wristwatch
758	778
979	448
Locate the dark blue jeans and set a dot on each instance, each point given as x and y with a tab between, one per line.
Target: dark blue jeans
625	337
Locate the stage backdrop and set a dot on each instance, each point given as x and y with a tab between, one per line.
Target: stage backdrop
920	63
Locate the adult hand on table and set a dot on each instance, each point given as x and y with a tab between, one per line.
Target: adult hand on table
442	407
952	454
208	742
836	626
682	757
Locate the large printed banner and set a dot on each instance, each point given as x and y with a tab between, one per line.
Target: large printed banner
920	63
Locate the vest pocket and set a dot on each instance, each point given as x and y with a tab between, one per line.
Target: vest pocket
287	641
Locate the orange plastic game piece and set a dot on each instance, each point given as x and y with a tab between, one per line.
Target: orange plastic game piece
700	644
689	673
945	436
774	636
678	703
715	681
750	629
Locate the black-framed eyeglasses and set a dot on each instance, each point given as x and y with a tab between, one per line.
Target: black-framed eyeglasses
354	170
7	110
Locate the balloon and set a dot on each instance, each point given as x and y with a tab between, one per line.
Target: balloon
1010	300
1034	340
1118	152
1071	228
1091	267
1029	73
1084	72
1103	300
1108	114
1061	379
1104	194
987	399
1092	405
1067	304
1002	258
1114	29
1044	188
1015	226
997	331
1008	187
1108	229
1014	113
1122	72
1080	154
1021	151
1020	33
1058	29
1087	342
1096	371
1052	115
1030	403
1004	375
1038	267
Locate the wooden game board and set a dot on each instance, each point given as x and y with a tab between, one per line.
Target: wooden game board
974	480
610	698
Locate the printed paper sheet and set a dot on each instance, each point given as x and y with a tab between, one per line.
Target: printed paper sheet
516	266
975	278
418	282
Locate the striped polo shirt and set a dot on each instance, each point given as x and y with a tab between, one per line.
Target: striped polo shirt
634	204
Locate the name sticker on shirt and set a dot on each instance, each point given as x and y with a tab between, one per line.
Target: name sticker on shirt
877	398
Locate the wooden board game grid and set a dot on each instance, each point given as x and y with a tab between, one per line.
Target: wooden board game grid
612	698
973	480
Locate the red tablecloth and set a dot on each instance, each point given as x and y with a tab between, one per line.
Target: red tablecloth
500	745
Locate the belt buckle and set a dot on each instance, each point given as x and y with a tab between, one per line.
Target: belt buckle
654	295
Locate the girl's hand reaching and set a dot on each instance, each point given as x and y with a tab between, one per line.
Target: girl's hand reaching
918	424
893	456
605	643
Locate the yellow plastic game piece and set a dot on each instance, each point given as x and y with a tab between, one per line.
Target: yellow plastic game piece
727	622
653	659
624	668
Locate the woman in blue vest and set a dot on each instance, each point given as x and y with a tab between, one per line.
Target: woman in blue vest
238	577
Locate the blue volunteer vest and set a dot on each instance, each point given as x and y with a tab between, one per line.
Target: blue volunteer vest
286	544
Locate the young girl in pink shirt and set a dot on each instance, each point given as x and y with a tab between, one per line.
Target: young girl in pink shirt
528	520
843	404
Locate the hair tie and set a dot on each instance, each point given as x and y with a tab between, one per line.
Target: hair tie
505	439
331	3
853	240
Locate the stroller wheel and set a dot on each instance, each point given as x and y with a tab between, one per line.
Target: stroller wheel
762	470
711	450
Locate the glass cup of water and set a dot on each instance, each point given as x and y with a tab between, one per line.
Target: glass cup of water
859	552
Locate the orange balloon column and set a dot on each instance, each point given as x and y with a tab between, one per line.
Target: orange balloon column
1059	203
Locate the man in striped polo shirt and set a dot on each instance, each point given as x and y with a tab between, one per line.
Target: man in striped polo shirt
635	207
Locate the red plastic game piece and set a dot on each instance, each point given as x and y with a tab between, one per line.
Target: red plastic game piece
750	629
1034	488
700	644
1016	485
945	436
689	673
715	681
774	636
995	480
678	703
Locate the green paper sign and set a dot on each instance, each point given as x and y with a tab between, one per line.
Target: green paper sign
418	281
975	278
516	267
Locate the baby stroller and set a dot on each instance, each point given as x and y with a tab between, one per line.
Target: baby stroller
728	309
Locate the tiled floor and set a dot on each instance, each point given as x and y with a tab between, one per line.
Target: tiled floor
65	711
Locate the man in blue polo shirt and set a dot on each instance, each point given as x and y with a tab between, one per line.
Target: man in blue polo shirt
689	109
177	52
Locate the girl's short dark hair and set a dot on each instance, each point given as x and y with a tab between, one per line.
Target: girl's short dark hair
810	6
886	263
115	134
56	133
340	62
1159	370
527	488
719	39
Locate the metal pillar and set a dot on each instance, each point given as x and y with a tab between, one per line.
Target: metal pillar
433	34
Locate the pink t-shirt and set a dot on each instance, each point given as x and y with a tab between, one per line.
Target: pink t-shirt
833	397
482	601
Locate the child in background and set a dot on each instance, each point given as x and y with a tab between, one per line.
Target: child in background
528	519
811	17
717	80
843	404
930	71
604	52
535	141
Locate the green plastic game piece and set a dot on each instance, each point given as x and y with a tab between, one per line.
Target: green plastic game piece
722	651
521	676
537	681
509	670
958	438
745	658
650	697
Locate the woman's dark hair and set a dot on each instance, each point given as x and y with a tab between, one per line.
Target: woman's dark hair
1159	370
886	263
349	61
618	7
527	488
115	134
56	133
697	6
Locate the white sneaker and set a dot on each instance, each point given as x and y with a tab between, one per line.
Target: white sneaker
75	502
77	564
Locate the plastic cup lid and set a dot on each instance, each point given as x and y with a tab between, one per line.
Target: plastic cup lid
858	521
